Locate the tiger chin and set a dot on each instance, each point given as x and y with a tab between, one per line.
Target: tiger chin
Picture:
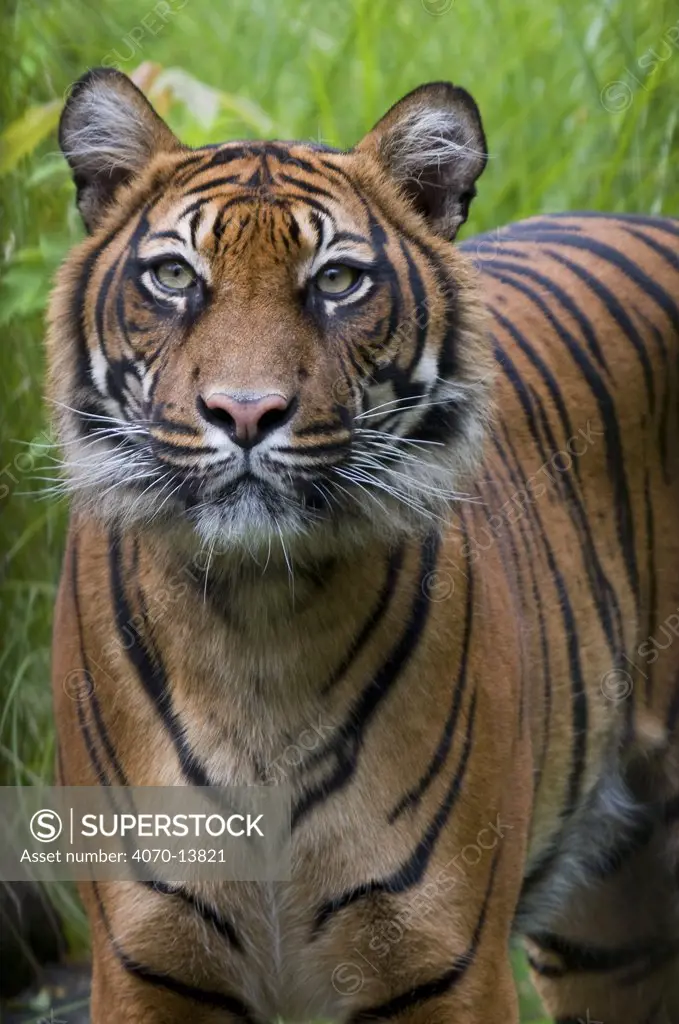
406	506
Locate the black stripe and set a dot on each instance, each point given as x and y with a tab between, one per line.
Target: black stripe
345	746
118	367
420	305
309	450
413	797
90	747
294	229
250	198
284	156
483	262
668	224
174	236
616	311
230	179
394	567
349	236
534	226
91	695
148	664
539	604
673	712
449	290
667	376
231	151
616	460
122	787
210	914
163	447
314	204
175	427
604	594
587	959
513	576
412	872
193	227
240	199
579	716
318	429
629	268
244	221
562	296
669	255
206	997
418	994
524	397
305	186
192	165
651	602
538	362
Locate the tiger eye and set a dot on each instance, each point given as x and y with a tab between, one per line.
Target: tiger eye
336	279
175	275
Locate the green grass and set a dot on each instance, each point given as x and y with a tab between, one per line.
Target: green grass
576	114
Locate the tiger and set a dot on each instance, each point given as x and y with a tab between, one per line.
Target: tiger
390	520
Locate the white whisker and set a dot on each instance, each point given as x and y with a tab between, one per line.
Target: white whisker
207	566
384	434
291	574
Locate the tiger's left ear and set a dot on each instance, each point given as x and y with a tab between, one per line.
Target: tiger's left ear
433	144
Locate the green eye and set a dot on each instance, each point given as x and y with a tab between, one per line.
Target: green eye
175	275
337	279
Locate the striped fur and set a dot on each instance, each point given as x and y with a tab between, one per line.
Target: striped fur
453	637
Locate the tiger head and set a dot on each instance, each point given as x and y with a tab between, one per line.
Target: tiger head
262	339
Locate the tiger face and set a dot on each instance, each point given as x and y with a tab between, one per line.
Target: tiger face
263	339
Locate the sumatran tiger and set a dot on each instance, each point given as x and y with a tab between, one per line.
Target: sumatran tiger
392	521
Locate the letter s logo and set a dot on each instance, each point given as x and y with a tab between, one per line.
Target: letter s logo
46	826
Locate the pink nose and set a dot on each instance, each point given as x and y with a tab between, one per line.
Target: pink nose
247	420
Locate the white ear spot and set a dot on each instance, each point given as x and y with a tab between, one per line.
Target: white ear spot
109	135
430	138
433	145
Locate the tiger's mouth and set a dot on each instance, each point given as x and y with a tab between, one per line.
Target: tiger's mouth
253	489
121	471
136	471
253	509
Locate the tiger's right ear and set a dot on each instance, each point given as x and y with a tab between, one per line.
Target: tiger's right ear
108	133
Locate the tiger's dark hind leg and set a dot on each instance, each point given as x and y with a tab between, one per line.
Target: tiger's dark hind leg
612	955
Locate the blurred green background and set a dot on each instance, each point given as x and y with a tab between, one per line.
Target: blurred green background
580	101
